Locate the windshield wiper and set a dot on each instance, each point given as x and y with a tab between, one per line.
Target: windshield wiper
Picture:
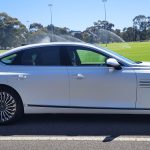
138	62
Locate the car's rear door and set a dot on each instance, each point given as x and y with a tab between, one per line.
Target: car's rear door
40	76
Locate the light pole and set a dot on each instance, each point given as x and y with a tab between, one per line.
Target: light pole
28	28
28	24
104	1
51	13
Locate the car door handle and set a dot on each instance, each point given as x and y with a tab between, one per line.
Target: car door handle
79	76
22	77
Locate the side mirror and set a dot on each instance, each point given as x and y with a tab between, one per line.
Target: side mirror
111	62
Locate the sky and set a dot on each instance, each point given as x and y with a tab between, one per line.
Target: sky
75	14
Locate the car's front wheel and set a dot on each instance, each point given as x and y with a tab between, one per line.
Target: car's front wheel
11	108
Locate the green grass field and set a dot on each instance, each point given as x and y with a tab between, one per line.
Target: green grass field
137	51
1	51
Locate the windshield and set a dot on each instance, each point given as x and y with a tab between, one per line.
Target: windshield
120	56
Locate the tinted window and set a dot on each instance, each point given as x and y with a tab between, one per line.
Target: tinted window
9	59
49	56
42	56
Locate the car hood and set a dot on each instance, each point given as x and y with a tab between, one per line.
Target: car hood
144	64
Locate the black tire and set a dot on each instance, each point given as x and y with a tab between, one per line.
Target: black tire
11	106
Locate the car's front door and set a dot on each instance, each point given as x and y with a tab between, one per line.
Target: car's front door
39	76
94	85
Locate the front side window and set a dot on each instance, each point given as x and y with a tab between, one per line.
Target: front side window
86	57
90	57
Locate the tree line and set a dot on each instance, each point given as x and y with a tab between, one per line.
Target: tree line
13	33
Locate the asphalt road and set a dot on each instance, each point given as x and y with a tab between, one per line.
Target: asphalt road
75	132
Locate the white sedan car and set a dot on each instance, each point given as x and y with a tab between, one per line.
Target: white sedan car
71	78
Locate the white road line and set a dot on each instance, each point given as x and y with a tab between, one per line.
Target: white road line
74	138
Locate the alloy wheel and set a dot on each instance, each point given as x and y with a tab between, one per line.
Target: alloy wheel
8	107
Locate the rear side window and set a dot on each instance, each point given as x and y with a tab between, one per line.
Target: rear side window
49	56
41	56
8	59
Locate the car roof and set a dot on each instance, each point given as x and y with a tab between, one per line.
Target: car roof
47	44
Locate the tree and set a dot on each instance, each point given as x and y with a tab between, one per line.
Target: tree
98	33
87	37
128	34
103	25
140	24
35	27
12	31
36	33
118	32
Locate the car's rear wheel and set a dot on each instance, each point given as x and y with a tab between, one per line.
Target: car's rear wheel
11	108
